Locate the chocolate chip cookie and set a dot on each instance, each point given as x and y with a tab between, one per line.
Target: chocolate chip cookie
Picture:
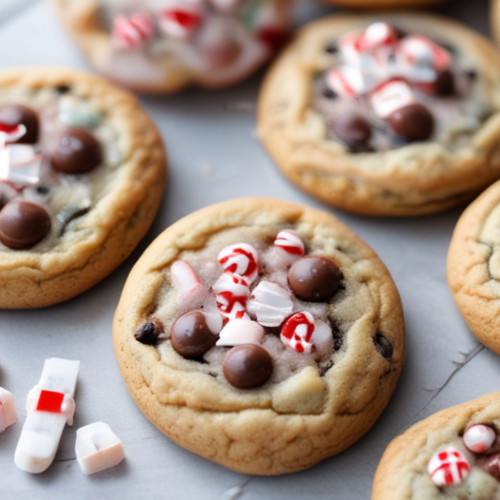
385	115
260	334
454	454
82	172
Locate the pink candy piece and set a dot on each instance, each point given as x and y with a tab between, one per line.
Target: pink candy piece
377	35
240	260
241	330
8	412
131	33
289	241
390	97
297	332
181	19
190	287
448	467
479	438
349	81
231	294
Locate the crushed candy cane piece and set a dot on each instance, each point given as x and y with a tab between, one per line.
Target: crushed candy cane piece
377	35
241	330
271	304
190	287
8	412
390	97
297	332
181	19
479	438
231	294
448	467
241	260
289	241
133	32
97	448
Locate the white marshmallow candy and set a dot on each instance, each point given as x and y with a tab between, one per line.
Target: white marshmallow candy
271	304
191	290
8	412
98	448
50	406
181	18
479	438
241	260
240	330
391	97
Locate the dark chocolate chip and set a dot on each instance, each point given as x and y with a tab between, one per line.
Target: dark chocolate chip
149	333
471	74
15	114
449	48
23	224
332	47
329	93
400	33
42	190
413	122
313	278
491	465
383	346
338	338
445	84
69	214
191	337
63	89
352	129
77	152
247	366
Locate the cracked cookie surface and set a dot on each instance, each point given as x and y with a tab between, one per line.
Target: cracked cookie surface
311	407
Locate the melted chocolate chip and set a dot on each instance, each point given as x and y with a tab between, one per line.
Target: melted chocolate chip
23	224
247	366
77	152
149	333
445	84
332	47
329	93
15	114
191	337
352	129
42	190
313	278
413	122
491	465
383	346
63	89
471	74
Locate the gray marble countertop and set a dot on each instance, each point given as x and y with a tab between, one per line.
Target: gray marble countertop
214	157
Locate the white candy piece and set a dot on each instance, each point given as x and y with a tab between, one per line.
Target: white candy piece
191	290
241	260
349	81
191	12
271	304
289	243
13	135
8	412
77	113
479	438
50	406
231	294
21	165
391	97
97	448
377	35
241	331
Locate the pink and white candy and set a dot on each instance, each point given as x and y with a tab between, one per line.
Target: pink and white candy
241	260
297	332
377	35
8	412
448	467
479	438
289	241
181	18
271	304
349	81
420	51
231	294
191	290
390	97
241	330
133	32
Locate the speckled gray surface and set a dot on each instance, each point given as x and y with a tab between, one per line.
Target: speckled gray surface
214	157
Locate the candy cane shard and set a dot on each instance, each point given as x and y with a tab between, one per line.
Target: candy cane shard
290	243
181	18
191	290
241	260
8	412
240	330
390	97
134	32
231	294
448	467
50	406
479	438
98	448
271	304
304	333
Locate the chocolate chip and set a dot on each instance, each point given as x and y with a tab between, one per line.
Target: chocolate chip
329	93
471	74
413	122
491	465
383	346
69	214
23	224
42	190
149	333
15	114
352	129
191	337
247	366
313	278
332	47
77	152
63	89
449	48
445	84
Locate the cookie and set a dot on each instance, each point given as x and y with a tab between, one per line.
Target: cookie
454	454
82	173
385	115
383	4
162	46
473	267
260	334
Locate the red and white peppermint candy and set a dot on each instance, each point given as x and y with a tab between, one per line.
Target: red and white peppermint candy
241	260
377	35
231	295
133	32
240	330
289	241
479	438
350	81
420	51
448	467
390	97
11	133
297	332
190	288
181	19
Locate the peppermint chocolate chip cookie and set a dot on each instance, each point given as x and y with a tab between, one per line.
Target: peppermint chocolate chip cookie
260	334
165	45
82	172
454	454
385	115
383	4
474	267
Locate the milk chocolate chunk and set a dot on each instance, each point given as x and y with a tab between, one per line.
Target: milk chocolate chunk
16	114
149	333
314	279
247	366
413	122
352	129
191	337
77	152
445	84
23	224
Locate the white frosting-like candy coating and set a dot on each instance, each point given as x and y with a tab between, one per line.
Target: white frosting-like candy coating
8	412
479	438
